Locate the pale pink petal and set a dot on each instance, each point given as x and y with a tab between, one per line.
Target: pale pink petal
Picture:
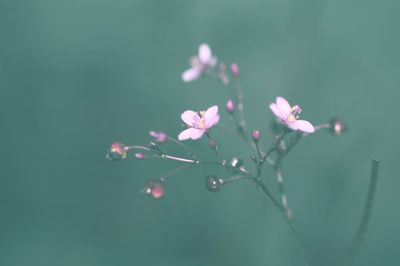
205	55
191	133
274	108
212	121
211	116
190	117
283	106
292	125
191	74
304	126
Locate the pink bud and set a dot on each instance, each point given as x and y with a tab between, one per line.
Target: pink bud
235	69
230	106
256	135
154	188
117	152
159	137
337	127
140	156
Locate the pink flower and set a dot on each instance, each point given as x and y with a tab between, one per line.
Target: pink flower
288	115
199	64
198	123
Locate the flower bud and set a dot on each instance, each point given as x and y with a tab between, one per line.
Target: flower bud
154	188
117	152
159	137
213	183
230	106
337	127
235	69
256	136
140	156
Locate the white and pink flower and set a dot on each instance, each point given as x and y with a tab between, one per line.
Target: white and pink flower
200	64
198	123
288	115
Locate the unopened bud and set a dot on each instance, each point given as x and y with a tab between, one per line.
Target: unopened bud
256	135
154	188
140	156
235	69
230	106
337	127
159	137
117	152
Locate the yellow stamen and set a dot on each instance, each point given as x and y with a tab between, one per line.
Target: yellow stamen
291	118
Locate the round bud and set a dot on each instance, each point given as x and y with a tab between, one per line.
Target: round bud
117	152
154	188
337	127
213	183
235	69
256	135
230	106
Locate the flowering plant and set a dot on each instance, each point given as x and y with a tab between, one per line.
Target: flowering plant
200	123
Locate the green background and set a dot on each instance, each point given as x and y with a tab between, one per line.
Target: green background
77	75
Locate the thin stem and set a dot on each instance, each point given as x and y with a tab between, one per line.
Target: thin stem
183	146
215	148
175	171
363	226
281	187
174	158
239	96
135	147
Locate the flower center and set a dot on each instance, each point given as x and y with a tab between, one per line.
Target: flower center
201	124
294	114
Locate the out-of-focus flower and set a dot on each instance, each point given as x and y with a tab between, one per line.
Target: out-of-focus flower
198	123
288	115
159	137
199	64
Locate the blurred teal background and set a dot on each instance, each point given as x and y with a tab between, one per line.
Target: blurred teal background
77	75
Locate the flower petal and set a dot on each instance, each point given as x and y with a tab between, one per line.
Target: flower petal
205	55
283	106
277	112
190	118
191	133
304	126
211	117
191	74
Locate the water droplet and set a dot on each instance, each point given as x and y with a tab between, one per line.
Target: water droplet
117	152
213	183
154	188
